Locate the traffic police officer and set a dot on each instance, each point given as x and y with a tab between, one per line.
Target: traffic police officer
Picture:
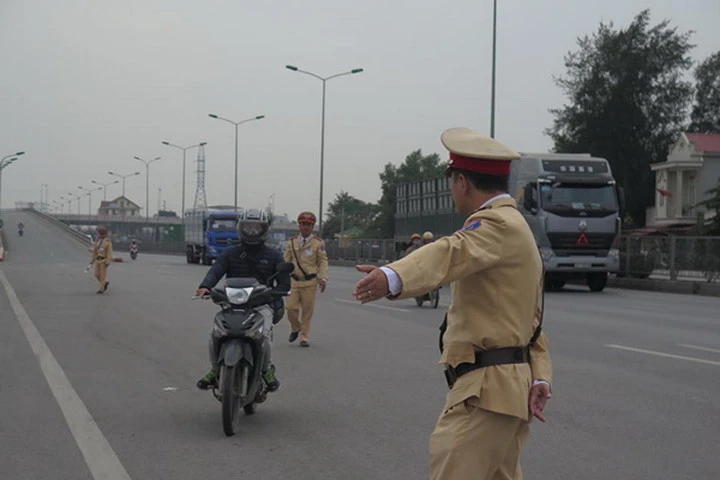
307	252
415	243
102	258
496	357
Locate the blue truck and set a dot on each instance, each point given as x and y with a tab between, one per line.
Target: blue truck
209	231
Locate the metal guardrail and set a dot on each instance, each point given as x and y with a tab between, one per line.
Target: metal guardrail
80	237
674	257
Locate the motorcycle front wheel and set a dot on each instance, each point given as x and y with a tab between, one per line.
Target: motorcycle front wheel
232	388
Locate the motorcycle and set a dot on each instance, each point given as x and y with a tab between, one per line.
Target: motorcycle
241	323
432	296
133	252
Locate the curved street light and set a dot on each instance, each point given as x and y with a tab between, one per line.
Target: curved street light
147	184
123	177
322	129
4	163
184	149
104	186
259	117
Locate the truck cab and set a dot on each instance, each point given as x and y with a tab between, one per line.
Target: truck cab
208	232
573	205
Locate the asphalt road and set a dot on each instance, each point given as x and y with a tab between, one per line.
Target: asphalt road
359	404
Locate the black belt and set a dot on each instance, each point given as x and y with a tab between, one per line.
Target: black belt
307	277
488	358
99	258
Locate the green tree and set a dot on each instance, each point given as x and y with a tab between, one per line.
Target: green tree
627	101
706	108
348	212
416	167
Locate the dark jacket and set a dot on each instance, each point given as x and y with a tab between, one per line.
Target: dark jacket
246	261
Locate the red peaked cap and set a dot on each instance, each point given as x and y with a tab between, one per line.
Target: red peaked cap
475	152
307	217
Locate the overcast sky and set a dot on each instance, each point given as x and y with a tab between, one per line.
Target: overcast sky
86	85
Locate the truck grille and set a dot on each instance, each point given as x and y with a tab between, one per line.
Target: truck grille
581	243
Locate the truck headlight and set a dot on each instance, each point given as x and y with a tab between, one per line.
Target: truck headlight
547	254
614	253
212	250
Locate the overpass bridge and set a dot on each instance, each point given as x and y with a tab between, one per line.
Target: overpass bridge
153	229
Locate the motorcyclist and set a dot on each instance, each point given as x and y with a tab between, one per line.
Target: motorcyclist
133	246
252	258
427	237
21	227
415	243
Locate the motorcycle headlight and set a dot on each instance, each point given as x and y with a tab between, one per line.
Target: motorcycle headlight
547	254
238	296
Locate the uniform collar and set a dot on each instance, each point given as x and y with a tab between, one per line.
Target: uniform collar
497	201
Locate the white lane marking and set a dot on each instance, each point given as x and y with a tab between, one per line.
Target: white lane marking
170	389
99	455
342	300
661	354
704	349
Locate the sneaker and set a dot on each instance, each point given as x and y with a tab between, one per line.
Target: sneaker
304	343
270	380
106	285
293	336
208	381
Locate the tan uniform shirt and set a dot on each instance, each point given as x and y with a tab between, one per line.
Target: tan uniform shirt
102	251
311	256
496	274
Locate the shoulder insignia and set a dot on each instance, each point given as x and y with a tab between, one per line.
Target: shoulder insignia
473	225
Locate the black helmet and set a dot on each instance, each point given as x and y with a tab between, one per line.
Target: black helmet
253	226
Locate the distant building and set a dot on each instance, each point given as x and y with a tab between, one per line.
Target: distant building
120	207
691	169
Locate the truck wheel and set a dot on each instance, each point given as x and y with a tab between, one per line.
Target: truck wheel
597	281
206	260
189	256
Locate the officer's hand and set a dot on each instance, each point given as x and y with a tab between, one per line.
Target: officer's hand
373	286
323	284
539	395
201	292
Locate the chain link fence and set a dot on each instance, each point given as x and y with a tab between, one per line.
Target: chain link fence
672	257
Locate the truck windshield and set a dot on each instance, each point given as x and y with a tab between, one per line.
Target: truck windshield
569	198
222	224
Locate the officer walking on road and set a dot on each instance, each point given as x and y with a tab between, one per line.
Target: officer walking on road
307	252
497	362
102	258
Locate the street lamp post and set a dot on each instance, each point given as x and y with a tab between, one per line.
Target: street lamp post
43	197
75	197
184	149
492	88
105	185
259	117
89	194
4	163
123	177
322	128
147	184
